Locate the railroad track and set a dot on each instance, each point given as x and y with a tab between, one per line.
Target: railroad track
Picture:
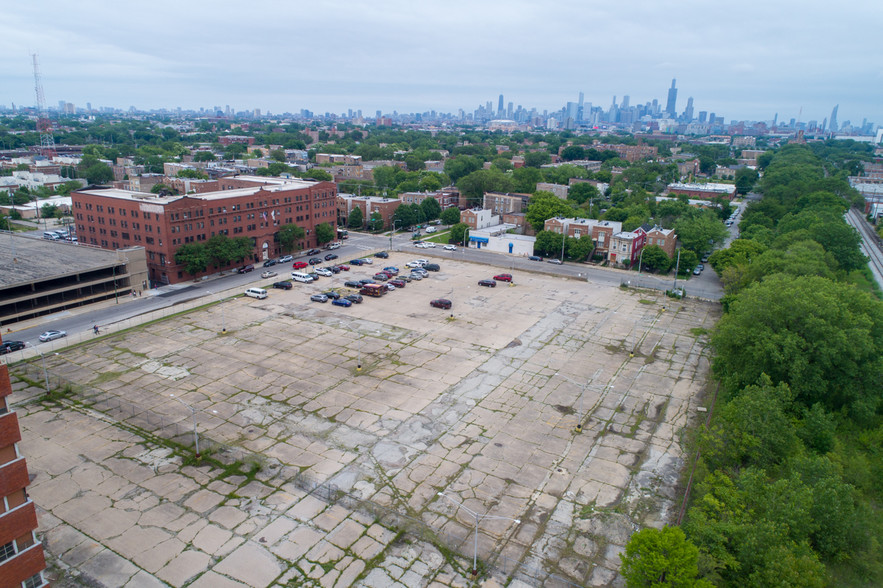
870	244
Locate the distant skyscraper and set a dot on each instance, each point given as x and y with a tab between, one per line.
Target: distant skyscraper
834	128
688	112
703	116
625	102
670	105
500	106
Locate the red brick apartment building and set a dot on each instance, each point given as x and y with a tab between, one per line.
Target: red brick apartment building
241	206
21	555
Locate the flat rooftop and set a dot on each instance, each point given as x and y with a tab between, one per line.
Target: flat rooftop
267	184
26	259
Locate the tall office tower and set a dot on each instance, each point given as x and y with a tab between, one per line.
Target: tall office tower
580	112
833	126
775	119
672	100
625	102
703	116
510	110
500	105
688	112
655	107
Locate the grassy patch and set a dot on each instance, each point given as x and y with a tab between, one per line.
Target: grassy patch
698	331
645	301
105	377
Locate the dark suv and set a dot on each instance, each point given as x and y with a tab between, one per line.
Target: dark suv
246	268
282	285
432	267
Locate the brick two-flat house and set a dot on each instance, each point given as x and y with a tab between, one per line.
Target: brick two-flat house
601	231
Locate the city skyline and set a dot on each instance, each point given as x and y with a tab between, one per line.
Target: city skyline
393	56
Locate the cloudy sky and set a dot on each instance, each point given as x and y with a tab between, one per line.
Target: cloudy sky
745	60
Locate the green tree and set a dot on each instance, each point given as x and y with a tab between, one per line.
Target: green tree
699	230
97	173
537	158
375	223
288	236
657	558
458	233
450	215
525	179
278	155
404	216
582	191
819	337
545	205
573	152
655	258
461	166
192	173
431	208
200	156
194	257
548	243
324	233
478	182
580	249
317	174
356	218
745	179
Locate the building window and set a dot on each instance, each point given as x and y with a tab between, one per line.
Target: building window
7	551
34	581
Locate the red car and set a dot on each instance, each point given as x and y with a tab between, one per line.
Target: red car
300	265
344	268
440	303
503	277
397	283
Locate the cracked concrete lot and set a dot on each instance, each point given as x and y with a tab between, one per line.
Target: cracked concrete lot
479	402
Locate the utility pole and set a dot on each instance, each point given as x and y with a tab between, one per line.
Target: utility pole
44	126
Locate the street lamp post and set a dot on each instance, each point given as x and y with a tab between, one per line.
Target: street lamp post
478	519
45	373
221	306
193	413
563	239
640	260
392	232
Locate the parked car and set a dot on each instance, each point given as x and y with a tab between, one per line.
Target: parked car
419	270
52	335
363	282
696	271
450	247
330	256
554	260
319	298
313	252
422	261
414	276
342	302
270	263
344	268
413	264
392	269
299	265
352	284
332	294
487	283
367	261
334	245
323	272
282	285
432	267
503	277
381	276
269	274
246	268
354	298
431	229
333	269
286	258
440	303
10	346
357	262
403	278
389	287
381	254
535	258
397	283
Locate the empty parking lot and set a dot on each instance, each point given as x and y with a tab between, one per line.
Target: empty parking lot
479	402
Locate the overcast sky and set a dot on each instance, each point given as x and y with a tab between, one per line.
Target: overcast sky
745	60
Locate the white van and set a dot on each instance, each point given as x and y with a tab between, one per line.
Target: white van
50	235
431	229
335	245
301	277
256	293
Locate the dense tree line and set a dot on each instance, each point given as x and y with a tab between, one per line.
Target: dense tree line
790	478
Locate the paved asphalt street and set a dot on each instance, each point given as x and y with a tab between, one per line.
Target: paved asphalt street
705	286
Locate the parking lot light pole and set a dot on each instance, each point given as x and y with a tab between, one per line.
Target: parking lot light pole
45	373
193	413
478	519
392	232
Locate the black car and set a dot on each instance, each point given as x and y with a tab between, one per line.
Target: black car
315	260
332	295
535	258
333	269
355	298
330	256
282	285
381	254
363	282
269	262
313	252
10	346
487	283
352	284
432	267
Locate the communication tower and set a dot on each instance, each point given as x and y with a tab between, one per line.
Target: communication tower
44	126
